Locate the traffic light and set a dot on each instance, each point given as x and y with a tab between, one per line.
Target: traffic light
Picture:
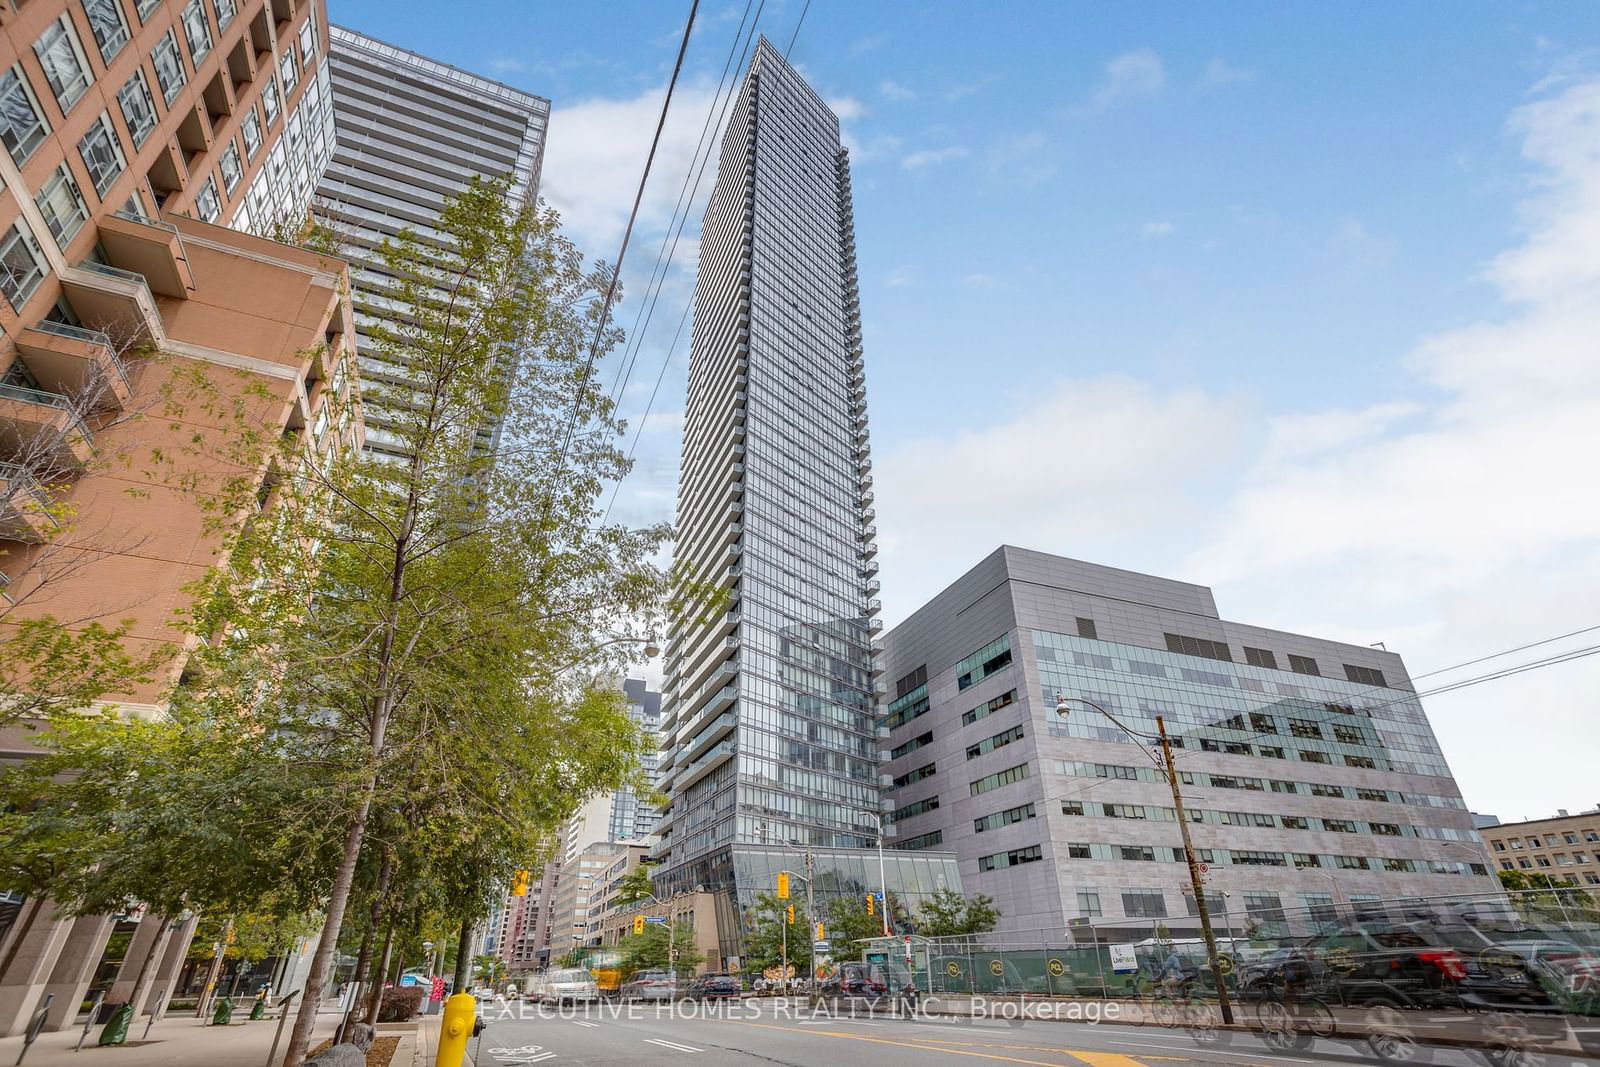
822	932
783	885
519	884
872	904
638	924
790	910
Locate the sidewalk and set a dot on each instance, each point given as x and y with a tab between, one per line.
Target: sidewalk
177	1041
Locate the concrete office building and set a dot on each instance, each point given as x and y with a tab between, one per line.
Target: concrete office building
1564	847
1308	766
578	890
130	127
632	820
411	132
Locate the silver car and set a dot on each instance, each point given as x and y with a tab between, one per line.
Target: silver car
651	985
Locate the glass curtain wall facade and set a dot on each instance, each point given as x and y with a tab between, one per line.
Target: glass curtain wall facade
768	720
632	819
412	131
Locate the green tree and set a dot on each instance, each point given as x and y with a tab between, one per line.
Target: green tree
489	969
651	950
849	921
635	887
946	913
436	626
765	926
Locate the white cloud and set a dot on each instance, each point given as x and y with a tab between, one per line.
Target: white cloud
1132	75
893	90
927	157
848	108
1221	72
862	45
1080	467
1156	229
1470	523
594	156
972	88
1021	159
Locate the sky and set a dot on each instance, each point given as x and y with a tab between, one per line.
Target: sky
1300	302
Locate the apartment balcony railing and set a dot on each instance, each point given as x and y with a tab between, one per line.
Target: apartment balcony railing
150	248
25	507
100	292
45	423
77	362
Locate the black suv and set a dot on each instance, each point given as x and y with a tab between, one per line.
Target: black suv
1427	965
855	983
716	986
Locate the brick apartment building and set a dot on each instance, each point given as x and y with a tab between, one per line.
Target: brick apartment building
141	137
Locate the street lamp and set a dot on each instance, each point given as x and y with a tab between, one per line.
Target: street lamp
1171	771
882	881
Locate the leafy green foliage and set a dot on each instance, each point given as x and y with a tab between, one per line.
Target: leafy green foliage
650	950
635	887
946	913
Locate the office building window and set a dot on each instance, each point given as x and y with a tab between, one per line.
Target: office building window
232	169
225	10
102	155
250	130
289	70
269	100
206	203
1361	761
1144	904
1303	665
197	29
65	67
61	204
308	38
999	740
998	779
1086	629
1003	818
1089	903
928	840
1072	807
1030	854
916	807
22	126
138	108
1260	657
1364	675
21	265
915	776
168	61
146	8
983	711
110	29
990	659
911	680
911	745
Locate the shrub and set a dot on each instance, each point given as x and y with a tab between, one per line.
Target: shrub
399	1005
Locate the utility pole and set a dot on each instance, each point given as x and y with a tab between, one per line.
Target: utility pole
1194	877
811	915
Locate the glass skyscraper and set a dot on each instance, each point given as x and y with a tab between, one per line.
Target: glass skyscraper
768	723
411	132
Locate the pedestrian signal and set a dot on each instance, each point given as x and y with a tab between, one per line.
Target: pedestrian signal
872	905
790	910
519	884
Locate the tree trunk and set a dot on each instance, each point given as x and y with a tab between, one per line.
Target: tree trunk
23	930
375	997
156	946
464	957
374	917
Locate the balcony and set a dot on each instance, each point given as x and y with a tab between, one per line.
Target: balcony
105	294
869	568
25	508
697	770
43	424
73	361
874	607
148	247
873	586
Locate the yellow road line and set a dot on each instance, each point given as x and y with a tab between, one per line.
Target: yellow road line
1093	1059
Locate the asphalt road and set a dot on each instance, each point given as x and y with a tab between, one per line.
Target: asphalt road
761	1031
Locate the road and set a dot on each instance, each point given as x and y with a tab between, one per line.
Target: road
761	1031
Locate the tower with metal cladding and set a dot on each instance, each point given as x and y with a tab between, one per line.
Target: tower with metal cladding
769	727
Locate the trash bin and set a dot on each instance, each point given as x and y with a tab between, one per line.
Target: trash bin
116	1030
224	1012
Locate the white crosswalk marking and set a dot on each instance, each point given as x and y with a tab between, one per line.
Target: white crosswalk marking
673	1045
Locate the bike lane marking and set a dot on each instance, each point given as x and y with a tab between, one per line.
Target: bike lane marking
1093	1059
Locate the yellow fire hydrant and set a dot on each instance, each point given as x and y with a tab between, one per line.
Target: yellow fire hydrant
460	1013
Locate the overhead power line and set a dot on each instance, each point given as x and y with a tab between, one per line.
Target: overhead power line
627	234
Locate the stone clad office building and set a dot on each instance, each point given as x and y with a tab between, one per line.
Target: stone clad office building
1312	778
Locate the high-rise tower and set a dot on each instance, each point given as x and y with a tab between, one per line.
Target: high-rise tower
411	132
768	723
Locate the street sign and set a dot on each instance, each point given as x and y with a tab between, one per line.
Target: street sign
1205	867
1123	959
820	946
658	920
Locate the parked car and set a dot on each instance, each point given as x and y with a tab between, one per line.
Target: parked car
855	983
716	986
651	985
1423	965
484	993
571	986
